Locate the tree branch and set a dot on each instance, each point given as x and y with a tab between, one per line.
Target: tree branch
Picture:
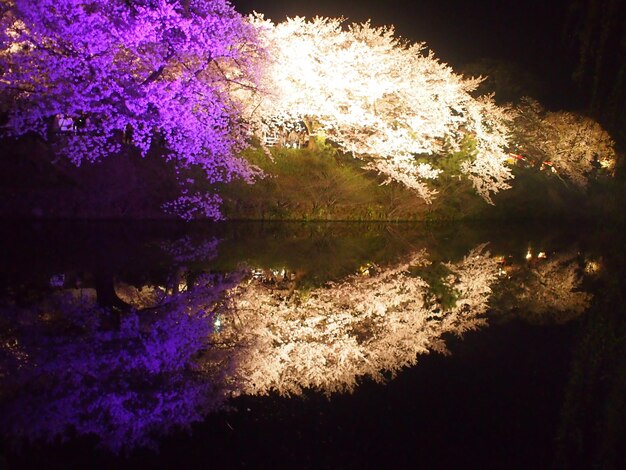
154	76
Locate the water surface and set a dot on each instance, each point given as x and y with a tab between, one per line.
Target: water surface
314	345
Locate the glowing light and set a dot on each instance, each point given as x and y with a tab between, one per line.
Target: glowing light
606	163
367	269
529	254
542	255
592	267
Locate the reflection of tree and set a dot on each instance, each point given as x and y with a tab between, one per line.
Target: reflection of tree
552	290
546	290
64	368
329	337
65	371
188	258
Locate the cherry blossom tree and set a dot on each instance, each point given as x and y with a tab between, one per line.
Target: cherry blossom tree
328	338
171	363
574	145
169	72
381	99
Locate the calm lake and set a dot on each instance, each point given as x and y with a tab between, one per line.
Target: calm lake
306	345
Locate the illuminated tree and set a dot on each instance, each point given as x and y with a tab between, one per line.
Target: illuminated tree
573	144
328	338
169	72
381	99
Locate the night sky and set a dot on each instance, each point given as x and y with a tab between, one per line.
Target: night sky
459	31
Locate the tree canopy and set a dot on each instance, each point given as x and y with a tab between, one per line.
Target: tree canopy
160	71
382	99
575	145
191	78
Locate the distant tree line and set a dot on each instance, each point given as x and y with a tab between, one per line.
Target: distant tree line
595	33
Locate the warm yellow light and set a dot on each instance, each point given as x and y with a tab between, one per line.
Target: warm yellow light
592	267
606	163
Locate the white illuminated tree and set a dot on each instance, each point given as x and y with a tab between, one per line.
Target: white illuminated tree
575	145
380	98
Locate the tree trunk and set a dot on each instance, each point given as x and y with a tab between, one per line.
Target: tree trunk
106	297
312	145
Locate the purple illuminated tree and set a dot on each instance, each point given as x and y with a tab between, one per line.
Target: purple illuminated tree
171	72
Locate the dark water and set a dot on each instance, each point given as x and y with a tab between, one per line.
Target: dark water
312	346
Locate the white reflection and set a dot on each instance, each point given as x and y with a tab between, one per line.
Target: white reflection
327	338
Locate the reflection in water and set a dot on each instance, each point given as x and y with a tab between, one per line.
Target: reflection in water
544	290
64	368
177	352
550	290
328	337
592	432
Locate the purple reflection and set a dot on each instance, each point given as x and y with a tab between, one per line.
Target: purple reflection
64	371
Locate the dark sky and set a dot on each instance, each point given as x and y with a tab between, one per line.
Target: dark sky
459	31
